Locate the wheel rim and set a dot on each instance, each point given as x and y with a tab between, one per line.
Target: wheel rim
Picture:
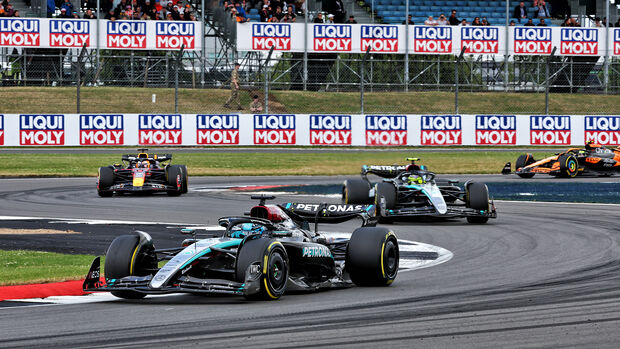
572	167
277	272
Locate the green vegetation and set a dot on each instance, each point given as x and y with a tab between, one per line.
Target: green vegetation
262	164
139	100
23	267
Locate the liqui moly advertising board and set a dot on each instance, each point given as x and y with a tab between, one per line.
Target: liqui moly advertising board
217	129
496	129
532	40
19	32
386	130
330	129
274	129
101	130
602	129
330	38
579	41
41	129
441	130
550	130
174	35
126	34
380	38
268	35
159	129
432	39
69	33
483	40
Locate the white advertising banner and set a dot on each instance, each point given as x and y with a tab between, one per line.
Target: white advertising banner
305	130
68	33
383	38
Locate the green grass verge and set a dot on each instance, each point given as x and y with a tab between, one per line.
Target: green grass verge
25	267
238	163
138	100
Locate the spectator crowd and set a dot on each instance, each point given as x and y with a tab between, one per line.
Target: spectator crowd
173	10
6	9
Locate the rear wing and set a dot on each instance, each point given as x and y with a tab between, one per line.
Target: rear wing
330	213
383	171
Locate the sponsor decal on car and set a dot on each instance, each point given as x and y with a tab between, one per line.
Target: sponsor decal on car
332	37
330	129
316	251
217	129
432	39
41	129
174	35
602	129
441	130
550	130
496	129
334	208
268	35
532	40
380	38
69	33
480	39
101	130
386	130
159	129
19	32
274	129
579	41
126	34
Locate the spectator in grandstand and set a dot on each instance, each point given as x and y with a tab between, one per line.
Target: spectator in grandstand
234	88
335	7
407	20
542	11
290	14
485	22
541	23
318	18
512	23
597	22
110	14
453	19
120	7
240	10
51	8
63	13
8	10
520	12
278	15
463	23
353	21
256	106
604	22
442	20
68	6
476	22
430	21
529	23
264	13
89	14
146	6
16	13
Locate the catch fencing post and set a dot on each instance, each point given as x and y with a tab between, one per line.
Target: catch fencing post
362	68
456	80
177	62
547	80
79	76
266	74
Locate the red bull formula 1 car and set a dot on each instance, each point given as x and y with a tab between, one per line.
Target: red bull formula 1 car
259	257
142	173
595	159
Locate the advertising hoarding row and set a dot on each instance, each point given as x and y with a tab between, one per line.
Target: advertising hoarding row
305	130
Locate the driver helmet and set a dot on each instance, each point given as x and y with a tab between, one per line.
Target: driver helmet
145	164
415	180
248	229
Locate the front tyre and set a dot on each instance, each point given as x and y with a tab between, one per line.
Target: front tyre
477	198
372	257
386	191
184	179
522	161
569	166
105	180
355	191
270	258
174	178
126	257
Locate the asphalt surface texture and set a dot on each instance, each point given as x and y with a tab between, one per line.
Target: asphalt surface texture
540	275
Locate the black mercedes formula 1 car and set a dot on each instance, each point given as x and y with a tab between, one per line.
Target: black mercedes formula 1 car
258	256
412	191
142	173
594	159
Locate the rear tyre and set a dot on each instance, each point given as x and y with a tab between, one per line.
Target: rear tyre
372	257
124	259
184	181
477	198
569	167
355	191
522	161
174	173
273	275
104	181
387	191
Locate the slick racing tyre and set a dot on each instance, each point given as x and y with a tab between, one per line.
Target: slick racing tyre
355	191
174	173
372	257
477	198
125	258
522	161
184	179
388	192
105	181
272	261
569	167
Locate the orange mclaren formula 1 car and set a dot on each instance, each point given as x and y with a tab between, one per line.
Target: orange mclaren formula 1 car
595	159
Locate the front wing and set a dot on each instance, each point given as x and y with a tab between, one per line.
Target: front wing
430	211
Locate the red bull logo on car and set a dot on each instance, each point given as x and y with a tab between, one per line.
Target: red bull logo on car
41	129
174	35
602	129
496	129
330	129
578	41
441	130
528	40
126	34
19	32
550	130
432	39
69	33
266	36
480	39
159	129
101	130
274	129
386	130
332	37
217	129
380	38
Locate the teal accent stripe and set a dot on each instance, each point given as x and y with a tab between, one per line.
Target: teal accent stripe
224	244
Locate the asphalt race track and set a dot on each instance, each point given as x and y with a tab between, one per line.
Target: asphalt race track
541	275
